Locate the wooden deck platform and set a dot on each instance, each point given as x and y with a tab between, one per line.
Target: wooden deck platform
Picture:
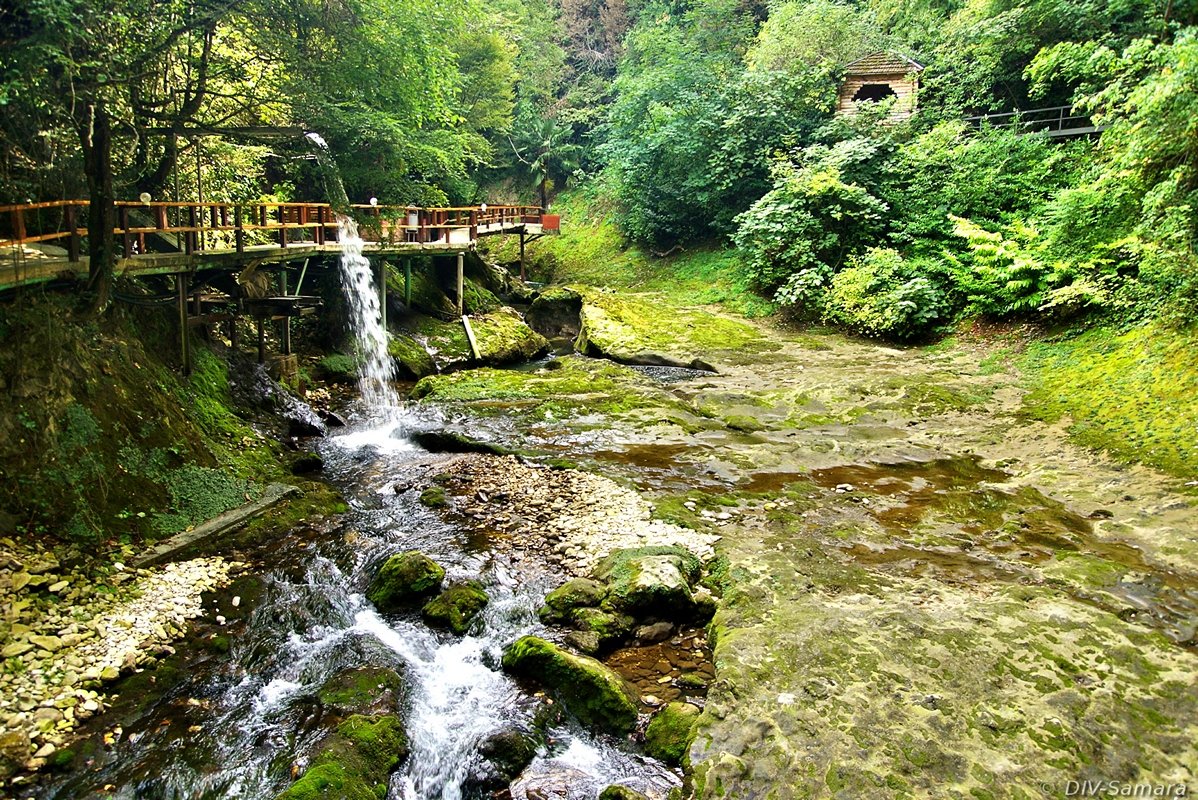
44	241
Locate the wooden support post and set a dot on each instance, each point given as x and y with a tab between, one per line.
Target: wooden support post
286	337
181	308
127	238
522	254
261	339
382	278
233	338
461	283
407	283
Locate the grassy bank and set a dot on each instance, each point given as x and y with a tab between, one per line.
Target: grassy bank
592	251
1132	393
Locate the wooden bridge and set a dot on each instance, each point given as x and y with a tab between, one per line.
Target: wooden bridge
41	242
1055	122
196	241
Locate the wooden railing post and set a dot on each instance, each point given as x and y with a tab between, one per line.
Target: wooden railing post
72	240
191	238
282	212
473	225
126	237
18	224
239	233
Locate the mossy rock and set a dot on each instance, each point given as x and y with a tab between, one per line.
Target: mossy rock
354	762
575	593
337	368
621	793
427	294
441	441
651	580
456	607
611	627
362	690
411	359
591	691
403	579
503	338
555	312
478	299
743	423
509	752
640	329
669	732
434	497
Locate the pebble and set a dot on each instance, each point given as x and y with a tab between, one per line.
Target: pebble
90	637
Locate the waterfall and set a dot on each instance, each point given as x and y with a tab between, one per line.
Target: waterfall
376	370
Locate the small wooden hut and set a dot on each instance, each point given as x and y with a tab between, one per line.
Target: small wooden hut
878	76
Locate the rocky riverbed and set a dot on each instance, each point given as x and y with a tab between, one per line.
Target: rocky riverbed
70	627
925	592
578	516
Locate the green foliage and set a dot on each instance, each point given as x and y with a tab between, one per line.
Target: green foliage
881	294
799	234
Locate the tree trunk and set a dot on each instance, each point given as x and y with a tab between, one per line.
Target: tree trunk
95	134
544	194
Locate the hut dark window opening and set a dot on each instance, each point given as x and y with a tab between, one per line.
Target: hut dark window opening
874	93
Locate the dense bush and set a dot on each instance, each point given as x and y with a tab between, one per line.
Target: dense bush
796	237
881	294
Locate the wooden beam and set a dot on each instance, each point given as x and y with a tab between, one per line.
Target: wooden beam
470	338
461	283
181	309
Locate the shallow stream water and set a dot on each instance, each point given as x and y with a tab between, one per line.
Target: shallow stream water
235	727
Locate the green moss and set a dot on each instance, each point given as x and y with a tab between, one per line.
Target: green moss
403	578
610	626
1133	393
670	732
591	691
354	690
573	594
503	338
578	385
621	793
478	299
353	762
743	423
456	607
642	328
434	497
337	368
411	359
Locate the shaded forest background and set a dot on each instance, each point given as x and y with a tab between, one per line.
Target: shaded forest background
683	123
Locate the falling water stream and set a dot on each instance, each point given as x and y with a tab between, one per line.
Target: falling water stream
239	723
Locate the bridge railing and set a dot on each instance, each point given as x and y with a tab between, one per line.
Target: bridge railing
1051	120
210	227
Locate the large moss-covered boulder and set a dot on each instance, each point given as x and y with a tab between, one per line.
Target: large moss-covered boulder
354	761
555	312
642	329
503	338
404	579
411	359
456	607
575	593
669	732
651	581
362	690
592	692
